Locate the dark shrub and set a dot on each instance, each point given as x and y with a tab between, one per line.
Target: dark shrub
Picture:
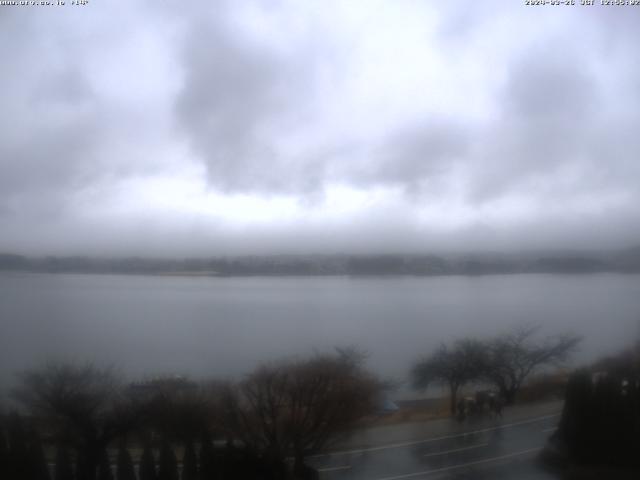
147	465
37	461
63	469
125	470
104	467
168	469
189	463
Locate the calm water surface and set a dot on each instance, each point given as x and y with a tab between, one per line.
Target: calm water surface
225	326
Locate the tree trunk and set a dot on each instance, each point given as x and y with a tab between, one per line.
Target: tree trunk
453	399
509	395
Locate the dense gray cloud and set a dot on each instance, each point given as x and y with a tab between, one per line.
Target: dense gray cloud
416	158
244	100
547	105
279	126
63	129
232	95
46	125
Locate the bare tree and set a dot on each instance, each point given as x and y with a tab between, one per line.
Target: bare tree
516	355
180	409
453	366
84	405
298	407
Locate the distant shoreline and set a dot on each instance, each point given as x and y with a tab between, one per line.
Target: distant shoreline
316	275
417	265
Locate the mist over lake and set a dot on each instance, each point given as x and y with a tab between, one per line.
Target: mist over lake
220	327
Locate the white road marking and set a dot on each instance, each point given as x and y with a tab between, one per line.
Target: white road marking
333	469
435	454
434	439
462	465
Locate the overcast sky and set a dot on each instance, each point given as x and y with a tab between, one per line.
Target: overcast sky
196	128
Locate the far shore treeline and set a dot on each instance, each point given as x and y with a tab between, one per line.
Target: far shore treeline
622	261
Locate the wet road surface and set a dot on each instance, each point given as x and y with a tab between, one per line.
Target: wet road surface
480	449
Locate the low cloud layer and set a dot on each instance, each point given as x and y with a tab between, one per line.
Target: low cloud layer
277	126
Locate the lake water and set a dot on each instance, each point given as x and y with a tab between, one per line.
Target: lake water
225	326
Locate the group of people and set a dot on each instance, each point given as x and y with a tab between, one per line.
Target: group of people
483	400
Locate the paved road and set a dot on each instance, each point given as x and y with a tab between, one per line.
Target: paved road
480	449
